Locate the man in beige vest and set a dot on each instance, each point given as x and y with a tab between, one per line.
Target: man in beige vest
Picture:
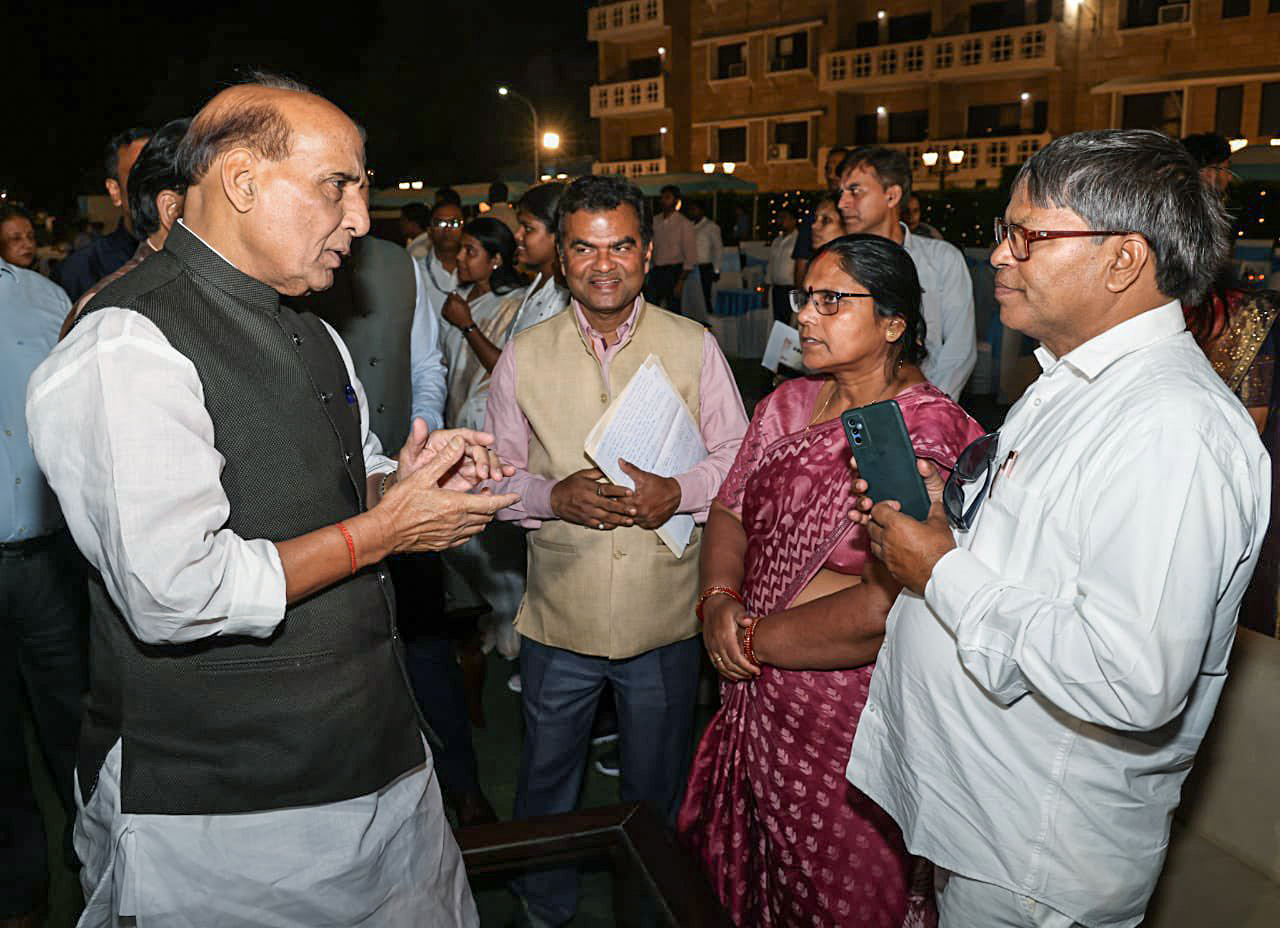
606	600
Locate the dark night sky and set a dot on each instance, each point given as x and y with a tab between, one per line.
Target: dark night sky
421	78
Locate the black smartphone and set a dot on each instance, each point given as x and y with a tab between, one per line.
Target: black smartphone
882	450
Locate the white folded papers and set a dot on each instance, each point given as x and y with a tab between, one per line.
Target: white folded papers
783	347
649	426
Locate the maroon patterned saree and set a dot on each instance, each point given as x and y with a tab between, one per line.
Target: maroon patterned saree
783	837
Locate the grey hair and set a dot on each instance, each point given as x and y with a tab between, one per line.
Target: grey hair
1137	180
256	124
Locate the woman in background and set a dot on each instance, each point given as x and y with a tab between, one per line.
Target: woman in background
536	251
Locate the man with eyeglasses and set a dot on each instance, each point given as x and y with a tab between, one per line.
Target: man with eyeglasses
875	185
1058	651
441	265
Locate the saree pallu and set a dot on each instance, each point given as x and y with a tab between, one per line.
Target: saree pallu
781	834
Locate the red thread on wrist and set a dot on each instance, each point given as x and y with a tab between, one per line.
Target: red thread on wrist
716	591
351	546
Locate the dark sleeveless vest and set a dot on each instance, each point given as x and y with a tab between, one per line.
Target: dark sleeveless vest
321	711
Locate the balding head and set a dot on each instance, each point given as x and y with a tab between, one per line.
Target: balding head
277	176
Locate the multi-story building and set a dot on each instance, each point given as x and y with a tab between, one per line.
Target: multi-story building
770	85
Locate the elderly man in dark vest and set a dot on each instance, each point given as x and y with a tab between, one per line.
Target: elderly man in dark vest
250	744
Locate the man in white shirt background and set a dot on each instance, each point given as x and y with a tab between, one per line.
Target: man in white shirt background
1052	665
781	275
441	265
415	221
875	183
675	252
709	243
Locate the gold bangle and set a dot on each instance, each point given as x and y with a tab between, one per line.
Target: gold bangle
747	637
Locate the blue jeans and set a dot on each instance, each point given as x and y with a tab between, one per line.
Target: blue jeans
655	694
43	661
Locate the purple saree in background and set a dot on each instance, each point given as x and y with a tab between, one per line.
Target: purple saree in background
783	837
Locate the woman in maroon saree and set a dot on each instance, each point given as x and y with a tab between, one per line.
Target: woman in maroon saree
783	837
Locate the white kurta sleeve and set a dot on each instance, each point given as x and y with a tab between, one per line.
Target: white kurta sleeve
119	427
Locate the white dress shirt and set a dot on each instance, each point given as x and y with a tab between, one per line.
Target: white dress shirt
440	283
709	242
426	360
32	308
782	267
1032	718
118	423
419	246
947	305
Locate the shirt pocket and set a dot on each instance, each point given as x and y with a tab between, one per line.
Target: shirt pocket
1007	533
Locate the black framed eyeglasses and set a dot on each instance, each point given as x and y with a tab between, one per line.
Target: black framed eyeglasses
1020	237
826	302
974	463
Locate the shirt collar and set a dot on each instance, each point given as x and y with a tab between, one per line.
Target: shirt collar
1101	351
6	266
623	330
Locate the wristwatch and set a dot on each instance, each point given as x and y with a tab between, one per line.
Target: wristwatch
467	330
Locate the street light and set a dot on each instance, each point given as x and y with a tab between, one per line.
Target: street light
932	159
508	92
729	167
551	140
708	167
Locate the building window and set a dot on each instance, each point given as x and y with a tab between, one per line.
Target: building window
640	68
1001	47
997	154
862	64
731	61
995	119
790	141
838	67
887	62
1269	112
790	52
1233	8
944	55
913	58
646	147
731	144
971	52
864	129
1161	111
1273	6
1033	44
911	28
1140	13
866	34
910	126
984	17
1227	111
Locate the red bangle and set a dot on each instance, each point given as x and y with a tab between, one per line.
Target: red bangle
716	591
747	650
351	546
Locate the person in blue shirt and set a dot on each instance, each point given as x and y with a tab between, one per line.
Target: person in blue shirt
45	612
88	265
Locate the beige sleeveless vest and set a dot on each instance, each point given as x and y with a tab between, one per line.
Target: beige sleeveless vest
610	594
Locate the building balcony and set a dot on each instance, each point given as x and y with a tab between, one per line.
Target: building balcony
627	98
625	21
999	53
984	159
631	168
